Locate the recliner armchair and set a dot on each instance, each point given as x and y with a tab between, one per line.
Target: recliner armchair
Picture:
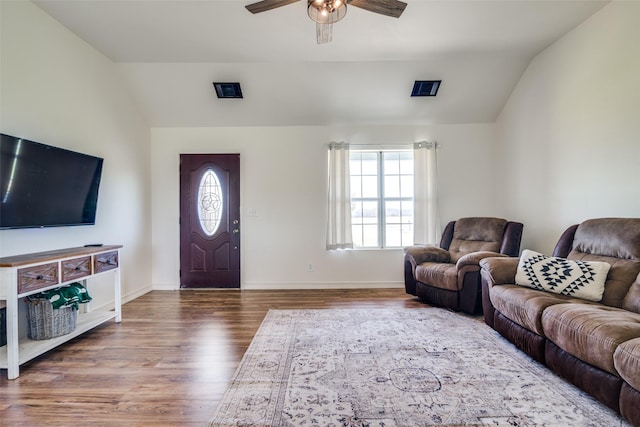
449	275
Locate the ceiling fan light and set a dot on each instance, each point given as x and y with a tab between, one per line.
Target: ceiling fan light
326	11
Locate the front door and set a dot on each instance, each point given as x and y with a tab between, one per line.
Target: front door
209	220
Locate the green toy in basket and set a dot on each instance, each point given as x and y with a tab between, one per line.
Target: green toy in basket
64	296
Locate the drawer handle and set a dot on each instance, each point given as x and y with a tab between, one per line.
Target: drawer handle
77	268
39	277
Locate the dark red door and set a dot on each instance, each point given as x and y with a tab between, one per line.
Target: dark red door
209	220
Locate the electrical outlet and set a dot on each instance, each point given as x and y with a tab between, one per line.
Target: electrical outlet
309	268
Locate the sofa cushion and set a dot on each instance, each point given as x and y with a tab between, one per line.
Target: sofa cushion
622	275
611	237
616	241
524	306
476	234
591	332
580	279
438	275
626	359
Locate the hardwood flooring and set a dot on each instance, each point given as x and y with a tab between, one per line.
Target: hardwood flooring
167	364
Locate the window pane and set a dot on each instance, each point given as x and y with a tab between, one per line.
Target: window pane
356	186
392	212
355	166
407	235
356	212
209	202
356	232
392	186
406	186
369	186
370	212
370	236
369	164
391	163
393	235
407	212
406	163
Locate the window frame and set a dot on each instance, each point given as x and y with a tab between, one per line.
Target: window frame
381	199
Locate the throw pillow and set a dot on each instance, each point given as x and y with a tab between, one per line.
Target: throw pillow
580	279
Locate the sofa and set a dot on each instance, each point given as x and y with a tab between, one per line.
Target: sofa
594	344
449	275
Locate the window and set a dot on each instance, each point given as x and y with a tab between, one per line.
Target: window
381	198
209	202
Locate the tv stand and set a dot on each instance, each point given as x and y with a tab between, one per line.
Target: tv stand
23	275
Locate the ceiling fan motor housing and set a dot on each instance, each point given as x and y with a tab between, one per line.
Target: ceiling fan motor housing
326	11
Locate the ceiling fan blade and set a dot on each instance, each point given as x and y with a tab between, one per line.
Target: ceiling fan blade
264	5
393	8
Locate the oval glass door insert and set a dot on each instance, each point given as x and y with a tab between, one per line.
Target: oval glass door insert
209	202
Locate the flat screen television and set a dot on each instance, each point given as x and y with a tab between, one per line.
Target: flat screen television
45	186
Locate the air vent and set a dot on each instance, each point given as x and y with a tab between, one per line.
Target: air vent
228	90
425	87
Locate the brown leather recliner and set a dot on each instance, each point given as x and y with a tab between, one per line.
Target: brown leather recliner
449	275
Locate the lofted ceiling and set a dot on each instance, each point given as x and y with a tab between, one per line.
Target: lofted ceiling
170	51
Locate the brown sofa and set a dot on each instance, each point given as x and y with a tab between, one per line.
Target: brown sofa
449	275
594	345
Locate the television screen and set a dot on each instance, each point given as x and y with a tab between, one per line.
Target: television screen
45	186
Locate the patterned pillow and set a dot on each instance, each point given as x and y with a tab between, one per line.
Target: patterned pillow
580	279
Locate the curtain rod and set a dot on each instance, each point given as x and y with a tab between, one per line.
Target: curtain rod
409	146
373	147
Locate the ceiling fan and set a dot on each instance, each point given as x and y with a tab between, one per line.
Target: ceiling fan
326	12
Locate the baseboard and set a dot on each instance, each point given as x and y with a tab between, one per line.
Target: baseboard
297	286
165	287
137	294
331	285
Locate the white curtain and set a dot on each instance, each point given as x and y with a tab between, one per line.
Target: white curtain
425	175
339	198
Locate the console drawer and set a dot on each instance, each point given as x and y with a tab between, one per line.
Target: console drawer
104	262
76	268
38	277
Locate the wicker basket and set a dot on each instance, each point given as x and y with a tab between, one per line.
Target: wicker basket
45	322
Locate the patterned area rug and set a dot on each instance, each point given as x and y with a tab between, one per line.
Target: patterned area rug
395	367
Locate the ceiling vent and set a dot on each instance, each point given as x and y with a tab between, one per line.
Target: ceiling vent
228	90
425	87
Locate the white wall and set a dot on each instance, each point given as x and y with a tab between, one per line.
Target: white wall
564	149
283	178
58	90
569	136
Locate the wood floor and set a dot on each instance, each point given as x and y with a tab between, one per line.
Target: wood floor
168	362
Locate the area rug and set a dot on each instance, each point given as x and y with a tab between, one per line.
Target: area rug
395	367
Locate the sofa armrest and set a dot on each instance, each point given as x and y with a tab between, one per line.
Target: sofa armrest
474	258
512	238
419	254
565	243
500	270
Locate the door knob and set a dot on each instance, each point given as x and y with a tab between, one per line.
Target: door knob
235	230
